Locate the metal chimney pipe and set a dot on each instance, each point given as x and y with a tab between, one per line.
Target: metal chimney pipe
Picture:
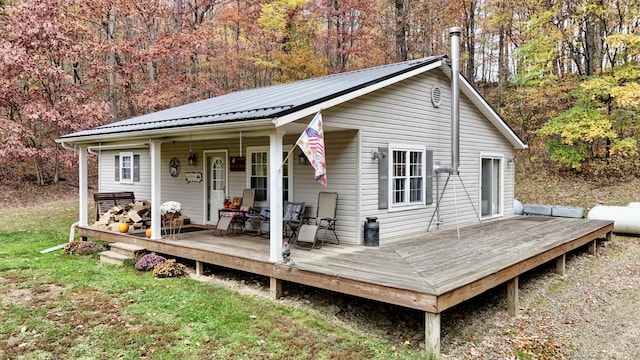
454	34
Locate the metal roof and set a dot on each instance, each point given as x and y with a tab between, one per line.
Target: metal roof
260	103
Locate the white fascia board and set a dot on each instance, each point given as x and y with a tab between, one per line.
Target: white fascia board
224	129
284	120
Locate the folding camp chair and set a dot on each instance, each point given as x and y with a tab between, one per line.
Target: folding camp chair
258	220
239	216
235	218
293	213
326	214
223	226
307	237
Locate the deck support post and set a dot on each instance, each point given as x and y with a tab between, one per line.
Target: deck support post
199	268
432	333
561	268
593	245
275	288
512	296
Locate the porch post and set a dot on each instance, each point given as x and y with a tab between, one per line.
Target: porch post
275	196
154	150
83	182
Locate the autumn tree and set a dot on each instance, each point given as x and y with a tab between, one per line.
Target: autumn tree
600	132
42	95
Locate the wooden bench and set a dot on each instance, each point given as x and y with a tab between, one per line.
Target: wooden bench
106	200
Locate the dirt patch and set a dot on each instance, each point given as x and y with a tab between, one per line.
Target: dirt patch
13	292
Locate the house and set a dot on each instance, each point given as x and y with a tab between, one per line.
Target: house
406	143
386	129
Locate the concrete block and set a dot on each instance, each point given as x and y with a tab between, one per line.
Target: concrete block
567	211
536	209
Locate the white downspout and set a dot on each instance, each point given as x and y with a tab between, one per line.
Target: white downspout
83	207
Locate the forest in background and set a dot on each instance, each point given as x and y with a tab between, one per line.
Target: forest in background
564	74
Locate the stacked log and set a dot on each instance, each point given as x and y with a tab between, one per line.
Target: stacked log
137	215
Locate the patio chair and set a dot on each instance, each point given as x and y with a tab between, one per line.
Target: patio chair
326	214
293	214
258	220
223	226
239	216
307	237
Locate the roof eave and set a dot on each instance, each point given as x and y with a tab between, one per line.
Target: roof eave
247	125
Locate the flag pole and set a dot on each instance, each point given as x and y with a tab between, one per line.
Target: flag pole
287	157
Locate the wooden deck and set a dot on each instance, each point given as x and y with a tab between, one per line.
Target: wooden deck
432	272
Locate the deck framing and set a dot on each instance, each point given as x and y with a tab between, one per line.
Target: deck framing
431	272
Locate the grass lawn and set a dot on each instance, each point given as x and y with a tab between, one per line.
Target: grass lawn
56	306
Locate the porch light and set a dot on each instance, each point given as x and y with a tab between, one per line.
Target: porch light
302	159
192	156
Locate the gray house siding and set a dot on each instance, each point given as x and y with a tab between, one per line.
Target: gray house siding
342	177
107	170
403	114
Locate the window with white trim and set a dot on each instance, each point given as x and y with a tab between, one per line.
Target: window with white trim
407	172
258	174
126	168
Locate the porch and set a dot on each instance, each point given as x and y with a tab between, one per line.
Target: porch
432	272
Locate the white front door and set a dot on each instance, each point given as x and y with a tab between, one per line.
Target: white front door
217	184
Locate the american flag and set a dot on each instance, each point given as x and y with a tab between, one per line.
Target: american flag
311	142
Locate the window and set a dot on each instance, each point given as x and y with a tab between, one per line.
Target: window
126	168
491	186
407	175
258	174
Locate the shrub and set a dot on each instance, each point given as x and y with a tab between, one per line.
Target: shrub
89	248
149	261
71	247
170	268
83	247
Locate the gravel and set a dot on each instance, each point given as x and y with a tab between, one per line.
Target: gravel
593	312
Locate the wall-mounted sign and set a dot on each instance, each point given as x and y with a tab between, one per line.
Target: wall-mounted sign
237	163
193	177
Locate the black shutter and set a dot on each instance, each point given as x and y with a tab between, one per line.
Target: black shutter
117	167
136	167
429	180
383	178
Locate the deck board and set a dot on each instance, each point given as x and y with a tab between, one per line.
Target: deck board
413	272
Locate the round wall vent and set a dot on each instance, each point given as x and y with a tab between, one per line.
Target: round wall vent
436	96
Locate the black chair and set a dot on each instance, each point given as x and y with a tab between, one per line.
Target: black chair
293	214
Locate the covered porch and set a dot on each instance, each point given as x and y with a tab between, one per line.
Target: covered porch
431	272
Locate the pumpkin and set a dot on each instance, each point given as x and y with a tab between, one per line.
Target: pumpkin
123	227
148	233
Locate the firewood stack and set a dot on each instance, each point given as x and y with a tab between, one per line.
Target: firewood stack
137	215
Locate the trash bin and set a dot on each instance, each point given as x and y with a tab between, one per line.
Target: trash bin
371	232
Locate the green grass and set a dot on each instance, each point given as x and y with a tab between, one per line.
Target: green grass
56	306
